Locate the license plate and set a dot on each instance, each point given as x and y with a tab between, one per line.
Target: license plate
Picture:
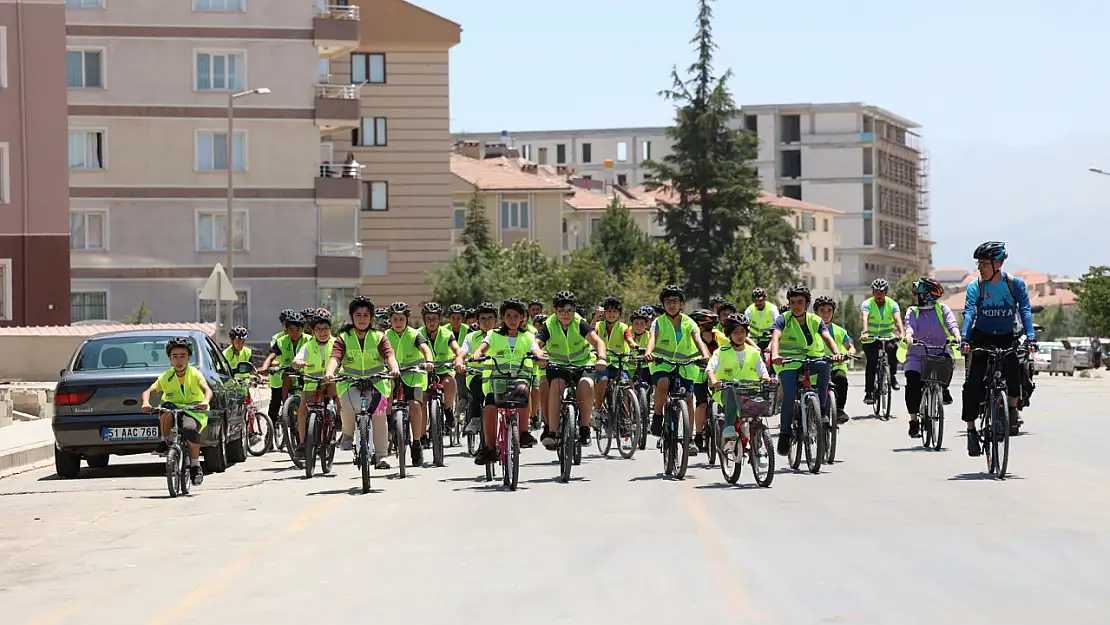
139	433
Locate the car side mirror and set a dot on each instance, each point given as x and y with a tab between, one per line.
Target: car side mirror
62	373
244	367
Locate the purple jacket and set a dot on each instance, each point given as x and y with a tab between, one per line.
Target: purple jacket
927	328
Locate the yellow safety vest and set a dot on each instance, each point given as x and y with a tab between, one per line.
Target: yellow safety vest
793	344
668	346
233	359
408	355
732	368
363	362
184	390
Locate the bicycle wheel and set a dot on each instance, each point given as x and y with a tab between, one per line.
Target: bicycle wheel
512	455
173	470
184	483
260	433
936	423
279	433
435	428
311	435
365	436
831	430
888	388
762	454
925	416
813	435
683	440
880	384
796	443
732	460
569	440
328	445
628	423
1000	439
289	411
712	432
402	442
645	414
669	438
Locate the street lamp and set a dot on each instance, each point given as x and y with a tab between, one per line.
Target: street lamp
229	267
1096	170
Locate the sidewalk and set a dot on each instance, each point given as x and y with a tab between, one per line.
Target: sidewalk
25	445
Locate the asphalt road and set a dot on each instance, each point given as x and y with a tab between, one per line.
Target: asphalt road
891	535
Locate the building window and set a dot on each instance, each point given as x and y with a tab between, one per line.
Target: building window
645	150
791	163
206	309
595	227
5	174
825	224
212	231
460	215
751	123
85	69
561	154
375	195
221	71
791	128
825	283
212	151
336	300
792	191
868	197
526	151
622	180
514	215
220	5
88	231
6	289
868	231
868	162
587	153
826	254
86	149
622	151
367	68
84	4
375	263
371	133
3	57
809	222
88	306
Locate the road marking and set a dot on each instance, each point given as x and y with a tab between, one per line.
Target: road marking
232	572
728	577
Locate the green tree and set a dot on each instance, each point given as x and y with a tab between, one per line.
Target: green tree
768	257
710	171
665	265
526	272
472	277
638	288
141	315
620	242
1092	296
847	317
902	291
587	278
1060	322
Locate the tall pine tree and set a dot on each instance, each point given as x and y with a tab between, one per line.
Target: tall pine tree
472	277
620	243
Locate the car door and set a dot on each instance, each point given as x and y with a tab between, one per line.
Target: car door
223	392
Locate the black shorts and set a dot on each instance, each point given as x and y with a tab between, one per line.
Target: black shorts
410	393
562	374
701	392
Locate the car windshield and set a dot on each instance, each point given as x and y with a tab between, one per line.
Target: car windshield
126	352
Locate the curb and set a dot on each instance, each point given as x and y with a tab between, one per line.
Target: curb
26	458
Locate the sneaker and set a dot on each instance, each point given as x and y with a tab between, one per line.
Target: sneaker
915	429
583	435
416	451
382	464
947	398
527	440
784	443
485	456
973	443
692	450
657	425
1015	419
699	442
426	442
842	417
299	453
473	426
596	421
729	434
869	399
548	439
196	475
347	443
894	384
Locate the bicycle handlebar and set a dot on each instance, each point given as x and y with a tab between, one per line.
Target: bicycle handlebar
497	363
681	363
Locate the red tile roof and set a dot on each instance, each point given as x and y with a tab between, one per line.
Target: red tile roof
504	174
585	199
667	195
97	328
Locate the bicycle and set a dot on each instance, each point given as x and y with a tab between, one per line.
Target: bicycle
645	394
322	430
936	374
754	401
509	402
804	429
831	424
883	381
364	422
676	421
436	423
290	437
570	448
400	423
994	412
260	428
177	466
622	418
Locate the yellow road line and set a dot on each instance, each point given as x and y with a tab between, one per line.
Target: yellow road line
728	577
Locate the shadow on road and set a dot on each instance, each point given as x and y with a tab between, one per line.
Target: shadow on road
488	487
918	448
149	469
554	478
724	485
354	490
973	477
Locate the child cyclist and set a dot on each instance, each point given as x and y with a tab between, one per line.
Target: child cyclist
313	360
675	336
618	340
444	348
183	384
736	361
824	306
283	348
713	339
238	352
411	349
486	314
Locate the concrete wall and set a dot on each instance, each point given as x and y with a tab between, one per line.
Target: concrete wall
36	358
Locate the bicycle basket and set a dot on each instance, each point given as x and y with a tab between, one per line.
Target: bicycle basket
754	400
937	369
510	391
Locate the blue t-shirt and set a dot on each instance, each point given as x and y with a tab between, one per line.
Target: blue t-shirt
998	313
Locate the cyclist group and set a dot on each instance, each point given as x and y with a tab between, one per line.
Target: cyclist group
761	343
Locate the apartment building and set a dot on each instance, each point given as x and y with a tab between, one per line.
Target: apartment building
34	265
151	87
405	223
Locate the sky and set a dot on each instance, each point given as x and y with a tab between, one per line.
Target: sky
1012	104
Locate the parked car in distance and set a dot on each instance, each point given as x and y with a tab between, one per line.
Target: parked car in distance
1042	358
98	400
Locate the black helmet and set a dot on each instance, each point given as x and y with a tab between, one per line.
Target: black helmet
485	308
612	302
732	322
539	320
824	300
284	315
296	319
704	318
880	284
471	312
431	308
309	314
784	308
562	298
360	301
179	341
643	312
322	316
474	327
535	302
456	309
758	293
799	289
928	291
992	250
399	308
716	300
513	304
657	309
238	332
672	290
726	305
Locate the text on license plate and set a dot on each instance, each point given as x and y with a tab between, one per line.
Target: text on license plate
138	433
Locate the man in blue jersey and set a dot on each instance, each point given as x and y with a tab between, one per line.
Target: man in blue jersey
993	305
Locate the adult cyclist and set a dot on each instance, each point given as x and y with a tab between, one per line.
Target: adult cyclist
881	318
992	307
762	317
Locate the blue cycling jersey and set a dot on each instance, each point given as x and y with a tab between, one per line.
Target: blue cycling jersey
998	313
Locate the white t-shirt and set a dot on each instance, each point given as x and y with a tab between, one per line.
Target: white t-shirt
715	362
303	354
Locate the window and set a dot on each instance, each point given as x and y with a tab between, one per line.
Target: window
375	195
367	68
595	227
371	133
5	174
868	231
587	152
86	149
206	309
561	154
793	191
323	71
868	162
88	230
542	160
3	57
791	131
212	231
85	69
825	224
460	215
825	283
84	4
791	163
526	151
220	5
812	254
826	255
868	197
6	289
645	150
622	180
514	215
212	151
751	123
375	263
622	151
221	71
809	223
587	177
88	306
336	299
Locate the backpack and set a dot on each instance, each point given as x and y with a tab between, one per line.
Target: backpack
1010	285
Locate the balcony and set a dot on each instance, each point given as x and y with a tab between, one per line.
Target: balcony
340	250
339	267
338	107
335	30
338	183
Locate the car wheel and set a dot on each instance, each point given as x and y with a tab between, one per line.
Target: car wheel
215	458
97	462
67	465
237	449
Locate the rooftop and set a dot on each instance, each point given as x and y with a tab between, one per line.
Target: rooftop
818	107
505	174
589	200
90	329
667	195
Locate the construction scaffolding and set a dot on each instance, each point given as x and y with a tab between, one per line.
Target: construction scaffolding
925	241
